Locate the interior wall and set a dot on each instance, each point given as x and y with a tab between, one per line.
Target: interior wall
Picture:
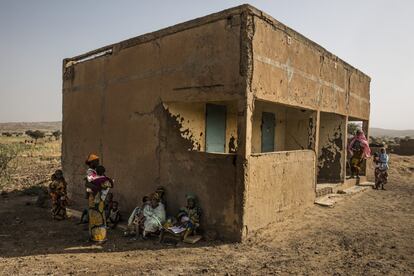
331	152
192	120
280	128
300	129
294	130
279	182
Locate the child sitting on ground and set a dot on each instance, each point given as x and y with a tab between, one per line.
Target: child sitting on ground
114	215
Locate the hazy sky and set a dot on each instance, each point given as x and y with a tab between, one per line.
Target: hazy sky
375	36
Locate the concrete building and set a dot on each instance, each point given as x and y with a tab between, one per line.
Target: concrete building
235	107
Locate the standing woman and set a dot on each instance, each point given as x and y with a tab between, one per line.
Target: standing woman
359	150
97	219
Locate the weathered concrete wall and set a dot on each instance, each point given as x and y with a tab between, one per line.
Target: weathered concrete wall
332	149
278	182
112	105
289	69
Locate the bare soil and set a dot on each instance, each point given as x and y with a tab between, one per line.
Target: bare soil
370	233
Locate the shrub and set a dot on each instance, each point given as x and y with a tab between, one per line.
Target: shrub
37	134
57	134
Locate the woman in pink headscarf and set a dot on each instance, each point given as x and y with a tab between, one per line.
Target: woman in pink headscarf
359	150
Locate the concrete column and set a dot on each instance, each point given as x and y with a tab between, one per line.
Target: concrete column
316	148
345	155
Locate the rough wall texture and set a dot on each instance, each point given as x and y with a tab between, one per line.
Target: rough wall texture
112	105
280	128
139	105
292	70
279	181
294	130
331	152
191	117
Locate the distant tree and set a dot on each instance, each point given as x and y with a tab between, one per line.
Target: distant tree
352	128
37	134
57	134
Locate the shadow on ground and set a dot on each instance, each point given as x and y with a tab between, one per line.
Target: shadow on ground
27	230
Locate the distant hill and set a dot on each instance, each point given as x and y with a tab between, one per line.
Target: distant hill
379	132
52	126
23	126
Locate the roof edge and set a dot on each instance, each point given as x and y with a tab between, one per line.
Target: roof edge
279	25
165	31
205	20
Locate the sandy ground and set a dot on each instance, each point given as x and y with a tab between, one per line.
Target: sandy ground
370	233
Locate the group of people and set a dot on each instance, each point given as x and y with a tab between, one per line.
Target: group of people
149	218
359	150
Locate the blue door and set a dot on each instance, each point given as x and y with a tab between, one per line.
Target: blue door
215	128
268	132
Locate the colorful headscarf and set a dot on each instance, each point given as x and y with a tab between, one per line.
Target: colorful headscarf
360	136
92	157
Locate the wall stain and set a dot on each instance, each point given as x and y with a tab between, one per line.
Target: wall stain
329	162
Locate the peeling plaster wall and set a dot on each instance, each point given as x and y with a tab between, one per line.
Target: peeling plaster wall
192	119
292	70
112	106
331	152
278	183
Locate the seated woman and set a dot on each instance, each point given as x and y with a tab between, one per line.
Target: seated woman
190	216
381	169
98	189
57	192
359	150
153	217
136	216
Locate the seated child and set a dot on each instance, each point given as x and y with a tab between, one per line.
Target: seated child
114	215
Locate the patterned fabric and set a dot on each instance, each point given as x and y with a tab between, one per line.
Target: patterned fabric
363	143
356	162
381	178
154	218
96	212
57	192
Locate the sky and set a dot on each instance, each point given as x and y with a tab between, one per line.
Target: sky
374	36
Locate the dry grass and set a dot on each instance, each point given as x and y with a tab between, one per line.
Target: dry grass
32	166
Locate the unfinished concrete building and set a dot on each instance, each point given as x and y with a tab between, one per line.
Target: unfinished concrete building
235	107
